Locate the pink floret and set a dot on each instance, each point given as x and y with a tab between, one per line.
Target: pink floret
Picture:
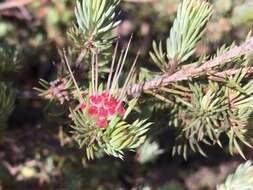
102	112
103	107
83	106
96	100
93	111
102	123
121	111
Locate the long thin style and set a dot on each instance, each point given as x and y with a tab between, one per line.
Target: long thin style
124	59
92	74
96	72
117	70
72	76
112	66
128	79
116	77
124	94
130	75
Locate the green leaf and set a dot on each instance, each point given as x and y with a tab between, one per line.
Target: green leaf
96	20
187	29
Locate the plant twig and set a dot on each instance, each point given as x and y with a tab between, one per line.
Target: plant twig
192	70
229	72
14	3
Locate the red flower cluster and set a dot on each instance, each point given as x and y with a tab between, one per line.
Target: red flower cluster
102	107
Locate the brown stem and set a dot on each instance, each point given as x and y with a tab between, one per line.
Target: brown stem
192	70
13	4
233	72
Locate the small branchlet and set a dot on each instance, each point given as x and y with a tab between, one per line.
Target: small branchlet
96	21
187	30
60	90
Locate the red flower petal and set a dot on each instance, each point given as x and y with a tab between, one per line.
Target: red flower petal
93	111
111	111
121	111
102	123
83	106
105	95
110	103
96	100
102	112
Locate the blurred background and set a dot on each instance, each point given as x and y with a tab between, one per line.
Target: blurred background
36	152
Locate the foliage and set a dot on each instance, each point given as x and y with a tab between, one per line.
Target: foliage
214	112
242	13
241	179
9	59
187	30
96	21
8	64
149	152
7	98
117	137
194	115
202	111
60	89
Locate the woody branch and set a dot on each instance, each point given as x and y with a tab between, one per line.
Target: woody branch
192	70
13	4
188	71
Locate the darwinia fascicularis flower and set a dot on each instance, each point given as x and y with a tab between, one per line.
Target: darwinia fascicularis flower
100	119
103	105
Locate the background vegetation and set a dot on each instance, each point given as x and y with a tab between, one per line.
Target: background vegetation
36	151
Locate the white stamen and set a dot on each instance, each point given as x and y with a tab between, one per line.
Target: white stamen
72	76
128	79
96	72
112	66
92	74
117	74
